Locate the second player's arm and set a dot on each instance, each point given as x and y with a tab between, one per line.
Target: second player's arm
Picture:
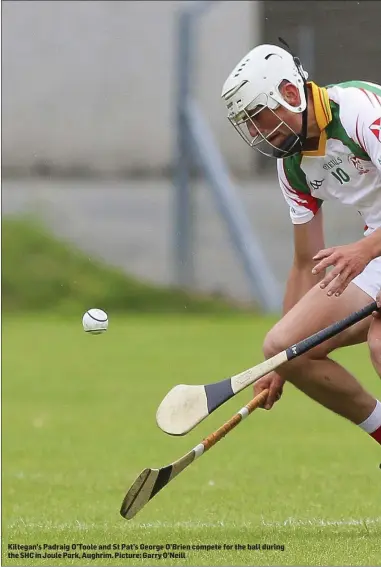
308	240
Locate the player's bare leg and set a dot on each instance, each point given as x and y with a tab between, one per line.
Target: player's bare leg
374	342
318	376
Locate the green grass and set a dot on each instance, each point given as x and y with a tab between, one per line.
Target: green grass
41	273
79	426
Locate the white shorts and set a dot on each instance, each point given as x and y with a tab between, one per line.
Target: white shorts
370	279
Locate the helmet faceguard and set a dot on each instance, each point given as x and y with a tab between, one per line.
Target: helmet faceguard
255	85
263	143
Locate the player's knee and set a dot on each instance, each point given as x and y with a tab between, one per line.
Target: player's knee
278	340
273	343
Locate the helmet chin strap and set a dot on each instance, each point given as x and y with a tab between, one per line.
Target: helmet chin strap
294	143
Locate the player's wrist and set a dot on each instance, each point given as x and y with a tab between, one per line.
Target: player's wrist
372	244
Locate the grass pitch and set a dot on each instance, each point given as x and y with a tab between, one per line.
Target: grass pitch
79	426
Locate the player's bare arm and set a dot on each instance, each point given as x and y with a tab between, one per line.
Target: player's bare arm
308	239
348	261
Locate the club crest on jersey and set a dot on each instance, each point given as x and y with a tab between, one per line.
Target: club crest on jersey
357	163
375	127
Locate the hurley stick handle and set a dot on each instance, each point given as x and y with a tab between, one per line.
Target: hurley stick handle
256	402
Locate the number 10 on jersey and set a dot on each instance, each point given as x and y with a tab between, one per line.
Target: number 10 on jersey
341	175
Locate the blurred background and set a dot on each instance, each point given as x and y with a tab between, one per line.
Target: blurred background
115	138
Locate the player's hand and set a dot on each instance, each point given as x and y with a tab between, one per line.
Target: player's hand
348	261
377	314
274	383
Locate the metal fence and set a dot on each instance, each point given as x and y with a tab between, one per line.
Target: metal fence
195	142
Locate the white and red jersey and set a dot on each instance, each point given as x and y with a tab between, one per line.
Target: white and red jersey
347	165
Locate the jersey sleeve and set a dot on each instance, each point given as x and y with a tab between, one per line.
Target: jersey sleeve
303	206
361	118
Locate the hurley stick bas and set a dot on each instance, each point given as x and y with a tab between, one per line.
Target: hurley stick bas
150	481
185	406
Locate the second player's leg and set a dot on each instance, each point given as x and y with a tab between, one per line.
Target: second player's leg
374	342
321	378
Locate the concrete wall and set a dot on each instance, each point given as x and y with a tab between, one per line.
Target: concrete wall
90	85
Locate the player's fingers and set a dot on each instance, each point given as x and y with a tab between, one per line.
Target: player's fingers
323	253
328	278
377	314
330	260
341	282
258	388
275	392
271	400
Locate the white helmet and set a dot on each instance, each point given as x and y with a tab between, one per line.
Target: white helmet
254	84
